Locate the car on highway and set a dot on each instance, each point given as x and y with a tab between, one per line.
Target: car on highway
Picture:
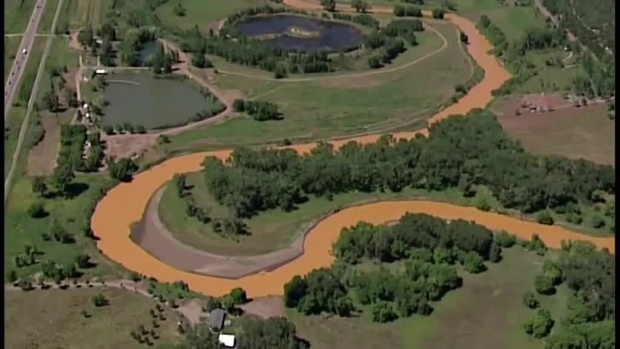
24	51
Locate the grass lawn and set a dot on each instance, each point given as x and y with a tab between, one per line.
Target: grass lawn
487	312
24	230
48	16
204	13
349	105
11	44
19	104
45	319
79	13
59	56
549	78
16	15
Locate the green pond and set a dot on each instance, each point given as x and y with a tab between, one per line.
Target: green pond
142	99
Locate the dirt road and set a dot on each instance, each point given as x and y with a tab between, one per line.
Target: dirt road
126	203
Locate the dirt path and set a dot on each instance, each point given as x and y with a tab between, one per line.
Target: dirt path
126	203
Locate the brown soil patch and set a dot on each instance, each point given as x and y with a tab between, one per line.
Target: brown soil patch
42	158
265	307
126	203
574	132
128	146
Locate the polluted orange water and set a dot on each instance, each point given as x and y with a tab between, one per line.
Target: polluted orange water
125	204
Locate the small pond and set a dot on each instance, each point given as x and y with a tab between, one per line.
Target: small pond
301	33
139	98
149	49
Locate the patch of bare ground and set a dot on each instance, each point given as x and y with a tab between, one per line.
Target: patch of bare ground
128	146
192	311
42	157
265	307
553	125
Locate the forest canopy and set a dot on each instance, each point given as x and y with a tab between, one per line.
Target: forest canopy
460	152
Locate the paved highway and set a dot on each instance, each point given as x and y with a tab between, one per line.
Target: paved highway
21	57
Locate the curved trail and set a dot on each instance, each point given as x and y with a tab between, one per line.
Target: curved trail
125	204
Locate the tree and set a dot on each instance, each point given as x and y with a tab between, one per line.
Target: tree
294	291
540	324
238	296
11	276
544	285
360	6
484	21
382	312
99	300
86	37
122	169
199	60
544	217
37	210
464	38
530	301
329	5
50	101
82	261
438	13
62	177
39	186
179	10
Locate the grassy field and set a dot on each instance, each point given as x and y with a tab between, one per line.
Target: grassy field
342	106
45	319
11	44
76	14
16	15
487	312
18	110
48	16
576	133
204	13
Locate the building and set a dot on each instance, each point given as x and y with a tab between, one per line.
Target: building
216	319
227	340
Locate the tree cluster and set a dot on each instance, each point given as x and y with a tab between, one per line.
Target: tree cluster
258	110
226	225
121	169
430	248
593	24
391	41
363	19
460	152
401	10
589	274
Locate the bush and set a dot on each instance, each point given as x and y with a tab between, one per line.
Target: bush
37	210
544	285
505	240
544	217
597	222
530	301
473	263
99	300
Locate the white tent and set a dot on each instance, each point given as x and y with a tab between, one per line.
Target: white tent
227	340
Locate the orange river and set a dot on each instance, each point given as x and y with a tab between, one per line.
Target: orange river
126	203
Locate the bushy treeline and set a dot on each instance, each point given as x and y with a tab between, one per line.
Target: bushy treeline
460	152
71	154
430	248
590	276
362	19
258	110
391	41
